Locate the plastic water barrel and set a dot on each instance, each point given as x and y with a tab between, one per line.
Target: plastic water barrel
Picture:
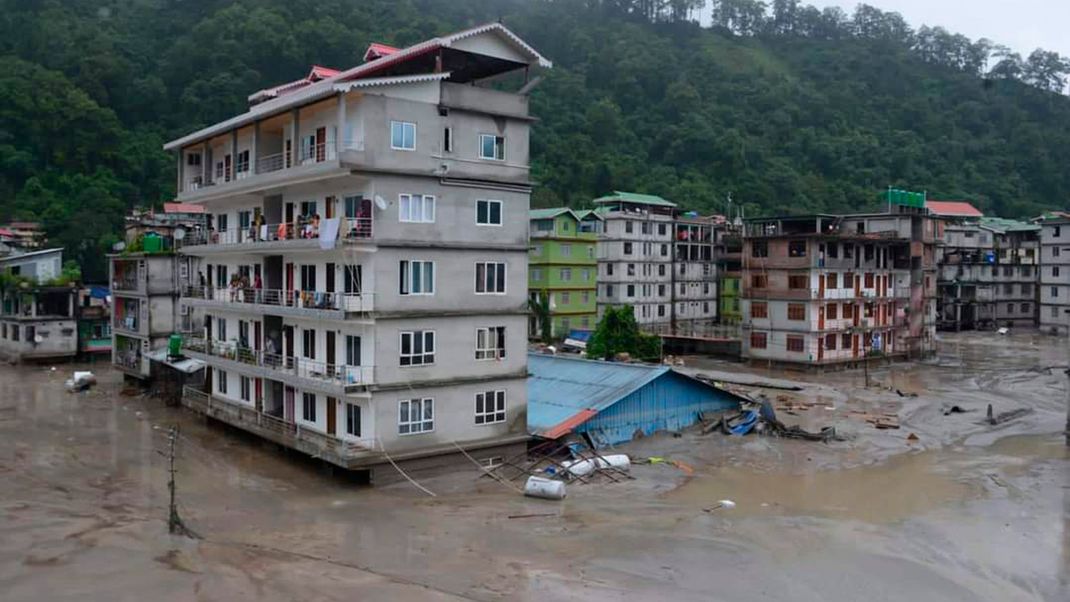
174	345
581	468
547	489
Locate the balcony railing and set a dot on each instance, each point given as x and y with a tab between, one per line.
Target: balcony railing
349	229
287	433
348	302
334	374
126	282
129	322
131	361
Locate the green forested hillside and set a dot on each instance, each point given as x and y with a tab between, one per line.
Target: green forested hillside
784	107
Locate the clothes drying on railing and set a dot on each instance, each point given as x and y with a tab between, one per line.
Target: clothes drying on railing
329	233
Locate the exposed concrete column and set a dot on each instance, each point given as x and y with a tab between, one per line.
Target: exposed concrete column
255	151
295	136
340	136
181	169
233	154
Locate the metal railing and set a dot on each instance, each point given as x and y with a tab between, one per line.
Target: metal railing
126	282
241	415
350	229
270	163
348	302
336	374
129	323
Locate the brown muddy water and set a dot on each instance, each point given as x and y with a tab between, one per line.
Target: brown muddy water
966	513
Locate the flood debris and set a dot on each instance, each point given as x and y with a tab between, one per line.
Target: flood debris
80	381
547	489
726	504
995	419
764	420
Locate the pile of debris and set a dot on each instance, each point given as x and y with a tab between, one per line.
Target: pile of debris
573	459
762	420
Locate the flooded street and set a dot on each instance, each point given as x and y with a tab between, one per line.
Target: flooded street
967	511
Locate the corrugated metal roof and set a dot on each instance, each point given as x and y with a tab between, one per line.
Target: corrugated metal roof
953	208
566	392
550	213
635	197
1001	224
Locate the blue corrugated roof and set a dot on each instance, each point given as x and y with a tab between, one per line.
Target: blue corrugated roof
560	387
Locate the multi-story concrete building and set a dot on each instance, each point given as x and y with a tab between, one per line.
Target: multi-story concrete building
988	274
38	311
145	305
657	261
827	289
564	268
729	255
366	262
1054	285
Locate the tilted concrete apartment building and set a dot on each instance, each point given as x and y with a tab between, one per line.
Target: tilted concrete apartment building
366	262
988	274
657	261
822	290
1054	313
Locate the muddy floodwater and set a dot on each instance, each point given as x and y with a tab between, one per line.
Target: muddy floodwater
946	507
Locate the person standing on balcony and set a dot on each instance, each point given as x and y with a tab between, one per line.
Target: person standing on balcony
258	223
258	284
203	282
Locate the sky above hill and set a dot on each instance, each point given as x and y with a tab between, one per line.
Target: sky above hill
1022	25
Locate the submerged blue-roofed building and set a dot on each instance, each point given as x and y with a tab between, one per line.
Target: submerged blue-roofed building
613	402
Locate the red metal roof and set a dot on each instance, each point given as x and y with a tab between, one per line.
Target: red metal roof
6	232
377	50
953	208
320	72
182	208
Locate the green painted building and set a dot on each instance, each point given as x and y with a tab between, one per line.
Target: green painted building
729	250
563	266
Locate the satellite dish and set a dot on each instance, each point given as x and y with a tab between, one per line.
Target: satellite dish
180	233
118	247
380	202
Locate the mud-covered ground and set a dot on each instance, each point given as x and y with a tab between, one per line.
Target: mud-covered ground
964	512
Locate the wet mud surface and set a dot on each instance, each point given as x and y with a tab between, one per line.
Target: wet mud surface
965	511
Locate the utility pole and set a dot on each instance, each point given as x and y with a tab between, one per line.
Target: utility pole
175	526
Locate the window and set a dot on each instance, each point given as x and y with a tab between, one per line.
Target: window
308	407
1010	308
447	140
491	147
352	350
221	329
758	281
566	250
629	226
193	159
1055	271
242	163
490	343
830	342
1055	251
631	291
416	208
586	296
848	279
631	269
416	277
1058	230
797	248
308	208
352	277
490	407
402	135
848	311
536	274
758	340
798	281
627	248
661	311
609	269
353	419
564	298
246	386
1027	289
831	311
221	381
796	311
834	252
1055	312
417	347
796	344
1054	291
416	416
845	338
488	213
609	290
759	248
1008	289
586	274
831	281
759	309
308	343
662	229
661	269
490	278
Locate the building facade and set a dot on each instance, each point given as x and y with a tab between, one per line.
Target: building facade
563	267
145	305
988	274
365	264
825	289
656	261
729	252
38	313
1054	316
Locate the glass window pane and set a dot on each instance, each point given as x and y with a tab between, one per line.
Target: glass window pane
501	278
481	212
495	213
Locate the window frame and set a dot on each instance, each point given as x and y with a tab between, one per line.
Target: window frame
306	407
406	277
493	340
423	424
350	421
496	147
423	354
499	279
402	124
488	213
495	415
406	199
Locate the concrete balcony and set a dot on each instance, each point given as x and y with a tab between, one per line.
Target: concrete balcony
275	238
347	454
337	380
293	303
